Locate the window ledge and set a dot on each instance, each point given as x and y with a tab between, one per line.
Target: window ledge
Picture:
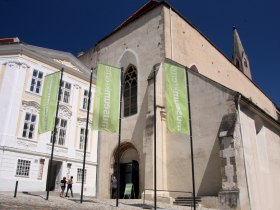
21	176
58	146
82	151
26	139
34	94
85	110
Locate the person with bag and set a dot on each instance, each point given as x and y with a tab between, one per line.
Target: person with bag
62	186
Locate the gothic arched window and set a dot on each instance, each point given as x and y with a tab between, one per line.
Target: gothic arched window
130	91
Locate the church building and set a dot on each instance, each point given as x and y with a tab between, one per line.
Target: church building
235	125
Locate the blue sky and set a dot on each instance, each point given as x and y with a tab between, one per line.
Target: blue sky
75	26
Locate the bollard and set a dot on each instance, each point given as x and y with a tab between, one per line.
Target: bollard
15	195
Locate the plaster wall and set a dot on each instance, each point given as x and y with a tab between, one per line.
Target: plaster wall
185	45
261	154
209	104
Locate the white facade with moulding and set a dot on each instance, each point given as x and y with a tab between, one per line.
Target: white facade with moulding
24	153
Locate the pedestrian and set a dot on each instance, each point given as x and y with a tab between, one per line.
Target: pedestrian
114	186
69	186
62	186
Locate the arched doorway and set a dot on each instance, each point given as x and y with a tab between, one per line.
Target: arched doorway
129	168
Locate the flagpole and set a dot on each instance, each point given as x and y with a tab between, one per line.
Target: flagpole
119	143
86	137
53	136
191	142
155	142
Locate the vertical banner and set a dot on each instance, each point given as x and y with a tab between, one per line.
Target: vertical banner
107	99
49	102
176	99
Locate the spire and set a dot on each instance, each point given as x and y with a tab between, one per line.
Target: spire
240	59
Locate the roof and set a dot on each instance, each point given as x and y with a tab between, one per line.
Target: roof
55	58
144	9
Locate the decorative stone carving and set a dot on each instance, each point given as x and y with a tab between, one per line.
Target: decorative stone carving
32	106
26	144
67	63
76	86
64	112
82	121
59	150
14	63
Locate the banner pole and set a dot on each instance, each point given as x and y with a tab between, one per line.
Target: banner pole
155	142
191	141
86	136
53	136
119	142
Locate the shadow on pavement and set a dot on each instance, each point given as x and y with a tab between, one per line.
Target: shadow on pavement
28	193
76	200
140	205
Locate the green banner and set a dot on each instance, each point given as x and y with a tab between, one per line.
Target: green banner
107	99
176	99
49	102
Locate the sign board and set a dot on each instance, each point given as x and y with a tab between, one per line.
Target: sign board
128	189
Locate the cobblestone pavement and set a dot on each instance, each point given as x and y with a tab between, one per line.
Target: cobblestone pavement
37	201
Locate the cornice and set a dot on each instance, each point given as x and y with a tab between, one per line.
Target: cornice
45	155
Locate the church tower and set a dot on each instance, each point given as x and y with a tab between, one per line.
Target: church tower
240	59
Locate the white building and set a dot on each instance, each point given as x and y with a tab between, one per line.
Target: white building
24	153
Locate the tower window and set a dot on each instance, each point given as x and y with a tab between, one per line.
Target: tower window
245	63
237	64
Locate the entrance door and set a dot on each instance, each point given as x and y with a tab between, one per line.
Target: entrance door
55	175
129	173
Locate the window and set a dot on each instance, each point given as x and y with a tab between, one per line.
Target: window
80	175
245	62
65	92
85	100
130	91
23	168
36	81
61	132
82	138
41	169
29	126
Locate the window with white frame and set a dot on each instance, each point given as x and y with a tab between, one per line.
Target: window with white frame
65	92
60	132
82	138
85	100
23	168
29	126
80	175
36	81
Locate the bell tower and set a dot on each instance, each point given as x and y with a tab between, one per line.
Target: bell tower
239	57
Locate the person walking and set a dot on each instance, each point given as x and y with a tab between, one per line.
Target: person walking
69	186
62	186
114	187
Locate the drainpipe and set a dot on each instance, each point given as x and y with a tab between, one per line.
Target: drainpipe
240	127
